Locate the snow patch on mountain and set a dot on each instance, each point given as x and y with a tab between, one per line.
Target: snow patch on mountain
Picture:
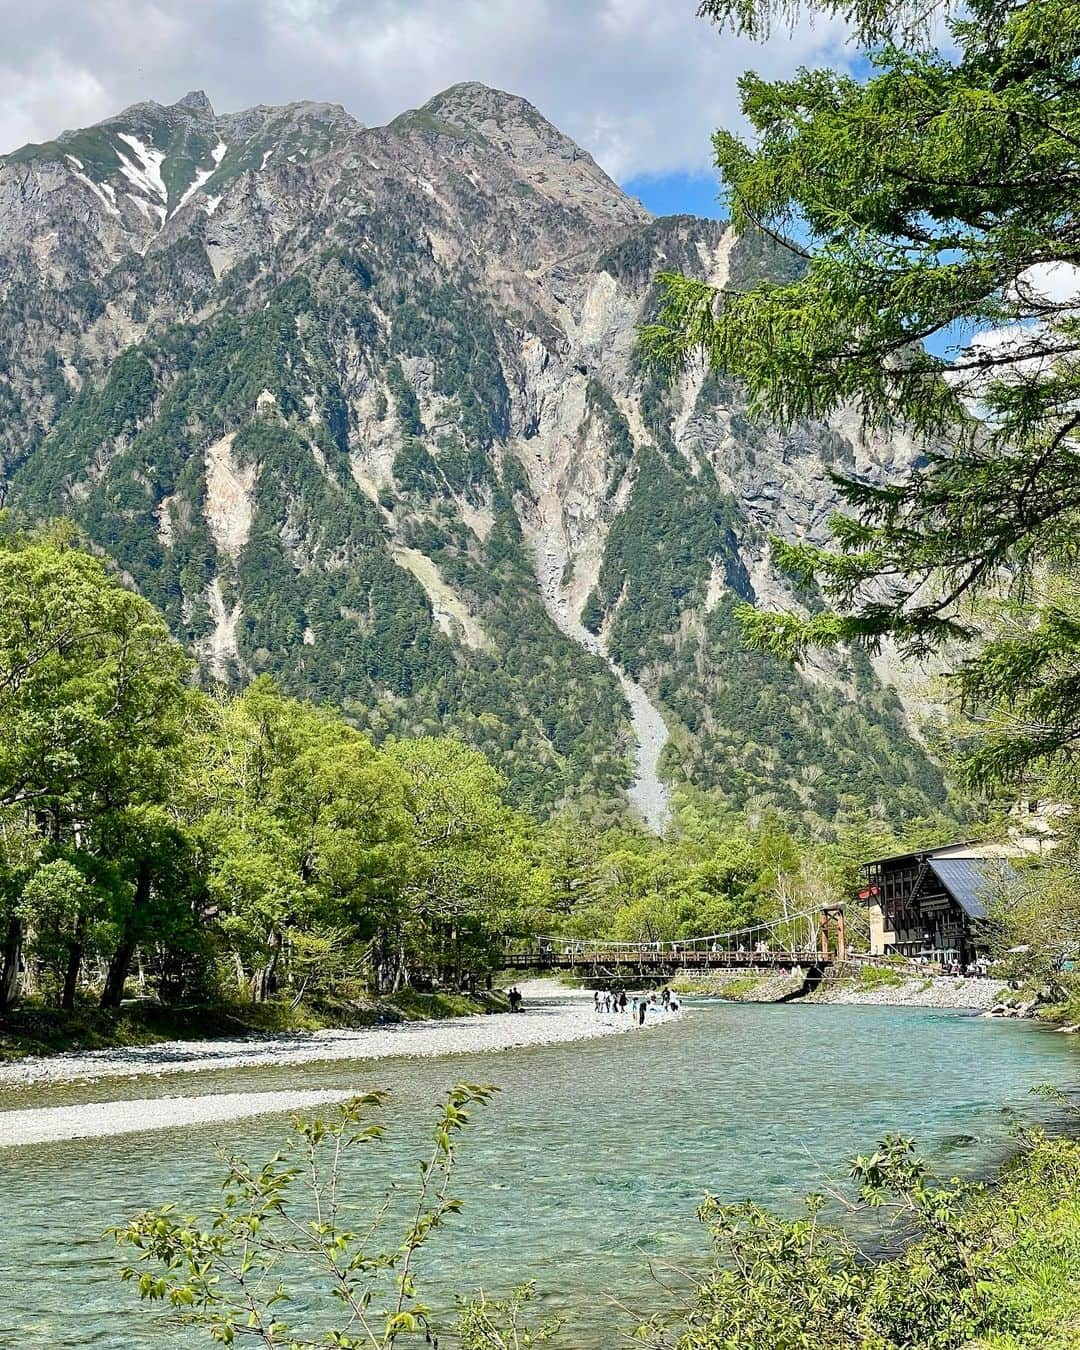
203	176
98	189
143	172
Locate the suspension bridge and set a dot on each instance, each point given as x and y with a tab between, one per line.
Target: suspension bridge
813	940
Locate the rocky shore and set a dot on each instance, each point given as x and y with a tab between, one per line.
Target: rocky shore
931	991
552	1015
1034	1004
852	986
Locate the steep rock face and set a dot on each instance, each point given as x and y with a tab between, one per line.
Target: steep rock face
362	407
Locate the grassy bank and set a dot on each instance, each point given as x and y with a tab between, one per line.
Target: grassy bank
979	1267
740	986
1035	1293
32	1029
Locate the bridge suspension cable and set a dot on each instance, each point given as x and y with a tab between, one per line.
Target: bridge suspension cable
704	942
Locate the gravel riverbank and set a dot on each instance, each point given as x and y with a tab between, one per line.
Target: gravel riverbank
920	992
552	1015
51	1124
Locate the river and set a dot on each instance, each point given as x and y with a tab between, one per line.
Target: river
587	1167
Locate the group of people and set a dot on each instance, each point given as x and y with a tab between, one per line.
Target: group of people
637	1005
513	995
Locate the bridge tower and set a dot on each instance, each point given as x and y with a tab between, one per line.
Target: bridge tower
830	927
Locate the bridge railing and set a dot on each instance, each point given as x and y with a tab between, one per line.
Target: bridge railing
665	954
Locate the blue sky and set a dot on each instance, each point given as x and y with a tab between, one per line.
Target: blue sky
677	193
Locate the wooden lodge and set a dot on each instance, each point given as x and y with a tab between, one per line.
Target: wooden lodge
933	903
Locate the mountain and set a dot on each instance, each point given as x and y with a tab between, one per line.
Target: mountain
362	408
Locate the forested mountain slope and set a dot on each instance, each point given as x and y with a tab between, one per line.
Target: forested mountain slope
362	408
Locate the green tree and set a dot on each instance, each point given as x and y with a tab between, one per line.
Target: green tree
936	197
657	891
303	820
161	895
571	848
94	705
472	876
61	906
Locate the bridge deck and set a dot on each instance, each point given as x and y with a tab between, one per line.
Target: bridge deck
665	959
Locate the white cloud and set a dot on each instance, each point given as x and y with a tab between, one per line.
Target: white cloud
1054	283
1027	349
640	84
37	104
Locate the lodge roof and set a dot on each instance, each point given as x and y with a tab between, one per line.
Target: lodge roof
969	872
921	854
972	881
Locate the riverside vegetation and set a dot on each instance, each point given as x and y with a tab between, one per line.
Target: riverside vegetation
247	856
213	834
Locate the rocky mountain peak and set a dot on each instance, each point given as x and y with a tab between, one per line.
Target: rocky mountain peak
507	120
471	102
362	409
525	153
195	101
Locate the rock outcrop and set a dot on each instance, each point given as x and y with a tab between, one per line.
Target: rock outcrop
364	408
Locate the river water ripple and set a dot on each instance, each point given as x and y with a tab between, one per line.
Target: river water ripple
587	1168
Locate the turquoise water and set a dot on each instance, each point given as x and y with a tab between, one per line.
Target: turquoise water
586	1169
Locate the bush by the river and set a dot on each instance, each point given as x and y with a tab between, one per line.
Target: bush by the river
284	1260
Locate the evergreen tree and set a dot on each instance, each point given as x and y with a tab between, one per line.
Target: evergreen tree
935	199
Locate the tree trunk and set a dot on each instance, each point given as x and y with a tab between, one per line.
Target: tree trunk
120	964
263	984
115	980
401	971
74	964
10	963
242	982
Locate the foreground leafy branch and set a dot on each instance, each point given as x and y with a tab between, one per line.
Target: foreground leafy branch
246	1274
801	1284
